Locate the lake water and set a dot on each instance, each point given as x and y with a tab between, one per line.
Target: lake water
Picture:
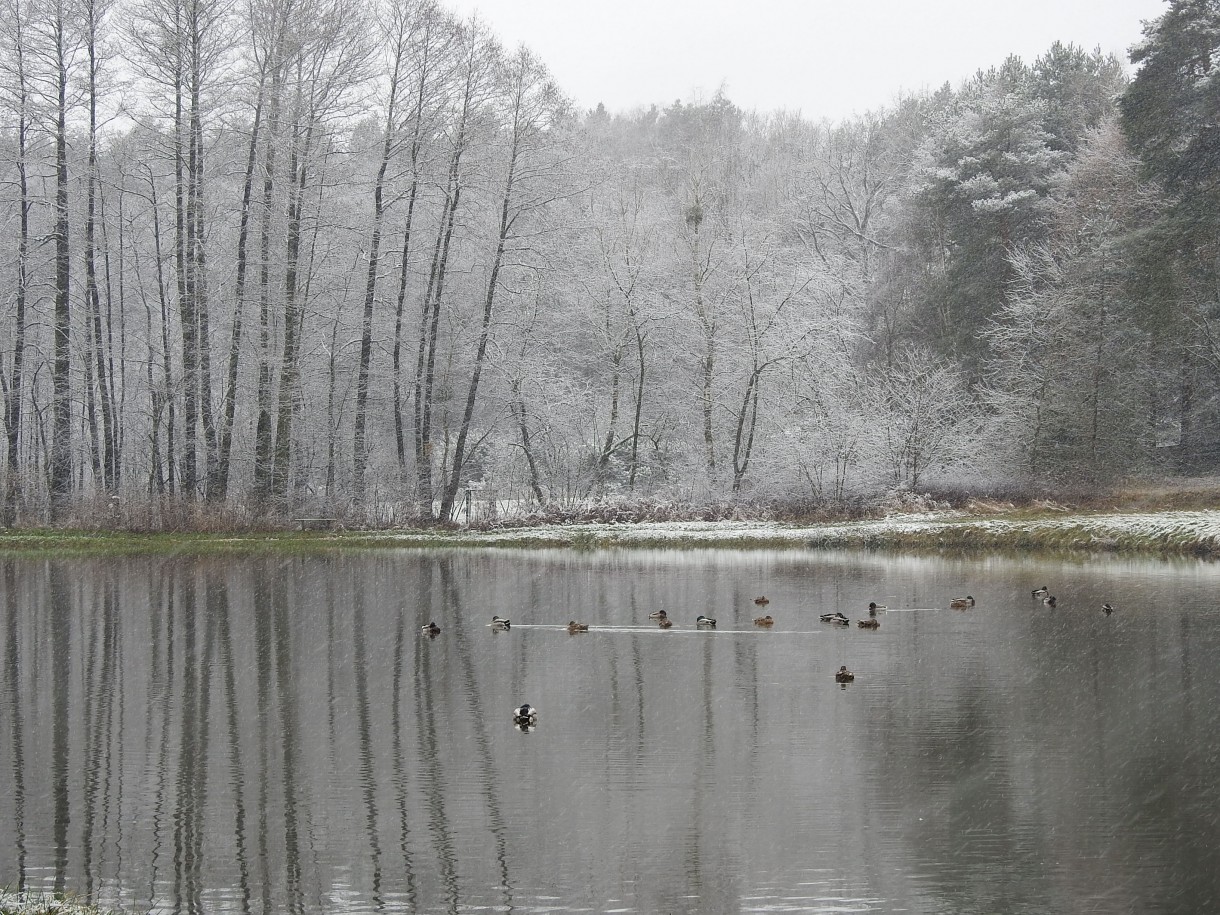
276	735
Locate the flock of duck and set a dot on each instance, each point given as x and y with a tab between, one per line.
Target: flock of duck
526	716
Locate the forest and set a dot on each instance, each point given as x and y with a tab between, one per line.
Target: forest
332	258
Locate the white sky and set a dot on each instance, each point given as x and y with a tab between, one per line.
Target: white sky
825	58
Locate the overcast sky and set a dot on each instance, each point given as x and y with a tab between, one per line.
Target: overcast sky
825	58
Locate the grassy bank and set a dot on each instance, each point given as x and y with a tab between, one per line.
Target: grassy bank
1176	533
44	904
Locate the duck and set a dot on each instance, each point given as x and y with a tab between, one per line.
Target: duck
843	675
873	607
1049	600
764	620
432	630
1040	592
525	714
1107	609
762	601
961	603
574	626
705	622
836	617
500	623
658	615
869	623
665	623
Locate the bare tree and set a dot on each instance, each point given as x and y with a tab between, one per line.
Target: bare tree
433	42
18	95
406	27
56	33
331	62
106	463
478	55
532	106
182	46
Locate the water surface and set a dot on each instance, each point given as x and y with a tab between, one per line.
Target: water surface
276	735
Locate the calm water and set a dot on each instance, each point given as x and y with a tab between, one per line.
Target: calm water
274	735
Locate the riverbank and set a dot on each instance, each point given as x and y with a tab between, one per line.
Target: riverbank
1050	529
42	904
1195	533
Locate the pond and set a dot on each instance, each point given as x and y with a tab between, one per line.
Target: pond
277	735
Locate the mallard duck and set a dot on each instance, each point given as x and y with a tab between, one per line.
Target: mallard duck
869	623
843	675
1040	592
705	622
665	623
1107	609
961	603
525	714
499	622
764	620
761	601
1049	600
836	618
574	626
873	607
432	630
658	615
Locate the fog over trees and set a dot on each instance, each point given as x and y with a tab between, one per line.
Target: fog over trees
316	256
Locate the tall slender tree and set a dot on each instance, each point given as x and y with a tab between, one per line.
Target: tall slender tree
532	107
397	27
477	56
331	62
18	95
61	34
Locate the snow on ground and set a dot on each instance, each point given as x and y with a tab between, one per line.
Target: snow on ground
33	903
1195	526
1201	528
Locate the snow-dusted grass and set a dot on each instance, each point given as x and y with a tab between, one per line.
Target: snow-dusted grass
1148	532
31	903
1196	532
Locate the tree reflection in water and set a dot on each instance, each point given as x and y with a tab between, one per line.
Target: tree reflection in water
274	734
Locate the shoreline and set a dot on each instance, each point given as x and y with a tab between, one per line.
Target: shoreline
1151	533
34	902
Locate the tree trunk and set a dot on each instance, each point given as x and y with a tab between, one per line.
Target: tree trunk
425	366
199	269
639	409
708	326
229	402
60	479
423	71
359	456
459	452
518	408
187	322
107	460
166	395
400	303
743	441
298	170
16	381
262	433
